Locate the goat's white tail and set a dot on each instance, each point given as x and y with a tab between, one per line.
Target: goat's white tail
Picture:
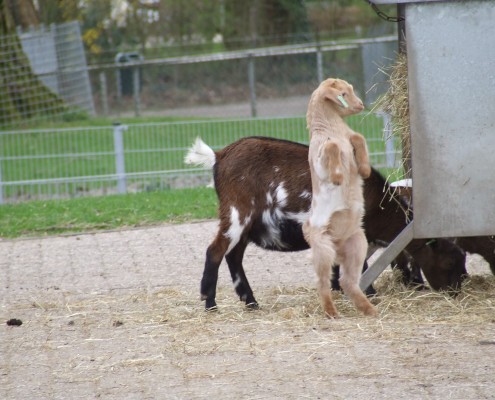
200	154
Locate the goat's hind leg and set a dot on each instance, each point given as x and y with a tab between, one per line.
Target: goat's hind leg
369	291
241	284
214	255
358	142
323	257
352	254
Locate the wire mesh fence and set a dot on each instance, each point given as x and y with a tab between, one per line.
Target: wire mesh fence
43	74
66	163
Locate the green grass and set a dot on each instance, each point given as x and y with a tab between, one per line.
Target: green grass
40	218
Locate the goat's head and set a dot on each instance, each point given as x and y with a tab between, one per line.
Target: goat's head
339	95
442	262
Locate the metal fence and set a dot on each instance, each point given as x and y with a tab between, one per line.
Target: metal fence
52	61
67	163
136	85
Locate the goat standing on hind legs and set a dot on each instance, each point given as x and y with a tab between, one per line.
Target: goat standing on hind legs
338	160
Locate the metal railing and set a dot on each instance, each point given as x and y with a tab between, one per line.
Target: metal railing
66	163
274	69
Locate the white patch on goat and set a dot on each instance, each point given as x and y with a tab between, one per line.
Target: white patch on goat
300	216
281	195
236	229
269	199
237	281
305	195
276	169
272	236
320	170
278	213
329	200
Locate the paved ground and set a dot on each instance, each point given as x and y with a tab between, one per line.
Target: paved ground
116	315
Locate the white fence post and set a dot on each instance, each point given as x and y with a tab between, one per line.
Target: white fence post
118	141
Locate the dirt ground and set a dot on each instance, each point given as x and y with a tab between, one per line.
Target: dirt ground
117	315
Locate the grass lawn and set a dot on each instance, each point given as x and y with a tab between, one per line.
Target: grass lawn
39	218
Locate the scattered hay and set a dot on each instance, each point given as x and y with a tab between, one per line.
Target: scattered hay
474	303
142	329
291	306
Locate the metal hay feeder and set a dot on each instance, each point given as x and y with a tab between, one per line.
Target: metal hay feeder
451	78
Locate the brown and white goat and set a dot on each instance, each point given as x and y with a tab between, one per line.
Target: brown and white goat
338	161
264	191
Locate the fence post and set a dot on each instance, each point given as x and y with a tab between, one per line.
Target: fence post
389	140
252	84
104	92
118	141
1	184
319	64
136	90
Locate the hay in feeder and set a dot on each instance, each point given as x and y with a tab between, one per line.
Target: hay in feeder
395	102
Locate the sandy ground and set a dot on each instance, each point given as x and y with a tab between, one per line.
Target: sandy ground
116	315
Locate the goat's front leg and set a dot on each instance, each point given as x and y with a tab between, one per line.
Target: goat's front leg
330	160
241	284
358	142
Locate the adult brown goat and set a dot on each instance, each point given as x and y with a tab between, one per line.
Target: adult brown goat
264	192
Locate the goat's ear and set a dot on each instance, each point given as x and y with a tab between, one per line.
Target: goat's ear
332	93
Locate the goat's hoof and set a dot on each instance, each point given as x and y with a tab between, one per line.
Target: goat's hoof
370	291
332	315
253	306
211	309
371	312
210	305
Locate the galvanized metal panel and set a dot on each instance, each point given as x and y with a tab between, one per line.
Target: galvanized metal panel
451	62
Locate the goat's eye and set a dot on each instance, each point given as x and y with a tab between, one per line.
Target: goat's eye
343	94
